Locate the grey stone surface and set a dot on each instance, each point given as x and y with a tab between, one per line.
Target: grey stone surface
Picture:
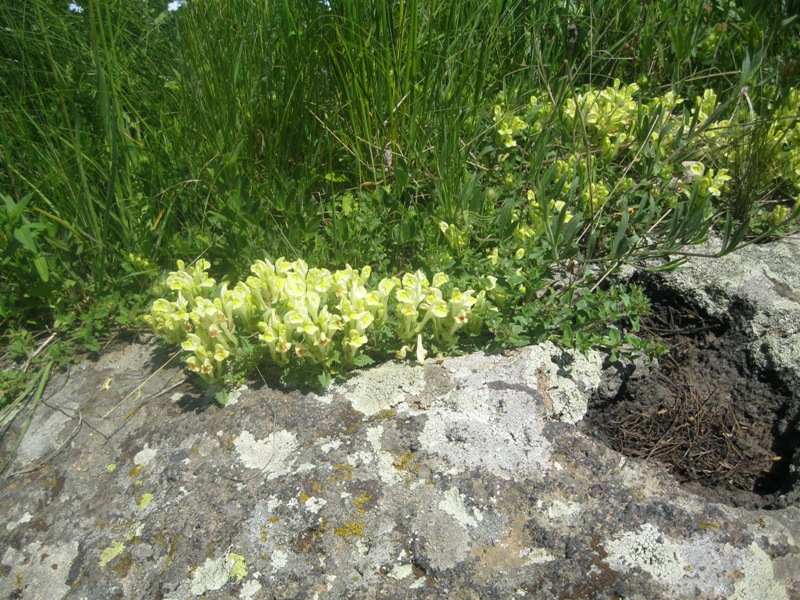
462	478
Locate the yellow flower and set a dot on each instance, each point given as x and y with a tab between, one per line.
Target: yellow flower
356	339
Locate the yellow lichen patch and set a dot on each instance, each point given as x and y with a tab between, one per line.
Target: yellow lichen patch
110	553
111	468
341	473
407	463
352	528
361	501
239	568
273	519
144	501
304	497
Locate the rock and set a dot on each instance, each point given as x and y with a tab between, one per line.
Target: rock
463	478
759	282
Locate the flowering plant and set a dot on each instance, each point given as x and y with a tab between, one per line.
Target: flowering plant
301	314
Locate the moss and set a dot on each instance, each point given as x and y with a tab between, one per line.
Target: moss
173	548
123	566
273	519
388	413
352	528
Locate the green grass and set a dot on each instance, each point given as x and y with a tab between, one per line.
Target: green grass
134	136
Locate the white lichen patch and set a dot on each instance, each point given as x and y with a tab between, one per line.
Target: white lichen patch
445	544
43	569
273	455
563	511
384	460
314	504
758	582
215	573
26	518
697	567
453	505
649	550
565	389
332	445
250	590
144	456
235	395
401	571
279	559
384	387
494	430
536	556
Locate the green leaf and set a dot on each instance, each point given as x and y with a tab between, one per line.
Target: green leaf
362	360
504	218
620	242
24	236
41	266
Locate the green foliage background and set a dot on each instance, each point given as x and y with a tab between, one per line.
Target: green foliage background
348	132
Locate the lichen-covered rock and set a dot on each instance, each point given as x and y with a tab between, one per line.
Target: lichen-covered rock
462	478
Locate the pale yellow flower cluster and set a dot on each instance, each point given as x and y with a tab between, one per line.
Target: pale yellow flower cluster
200	325
420	302
607	114
302	313
507	126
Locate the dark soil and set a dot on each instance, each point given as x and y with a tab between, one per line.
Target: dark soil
724	429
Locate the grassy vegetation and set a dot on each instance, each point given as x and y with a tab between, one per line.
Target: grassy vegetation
526	148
